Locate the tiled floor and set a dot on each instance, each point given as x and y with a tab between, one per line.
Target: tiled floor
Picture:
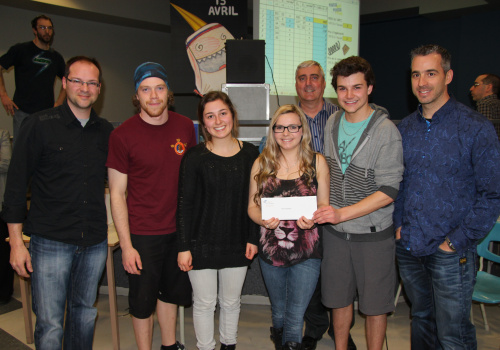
254	328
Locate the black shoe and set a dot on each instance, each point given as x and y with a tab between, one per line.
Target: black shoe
309	343
277	337
291	345
350	344
227	347
178	345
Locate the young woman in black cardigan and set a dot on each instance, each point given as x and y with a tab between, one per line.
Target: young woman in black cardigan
216	238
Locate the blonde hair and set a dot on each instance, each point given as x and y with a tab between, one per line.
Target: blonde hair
269	158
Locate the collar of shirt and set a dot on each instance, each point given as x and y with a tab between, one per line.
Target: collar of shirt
323	108
488	98
441	113
68	117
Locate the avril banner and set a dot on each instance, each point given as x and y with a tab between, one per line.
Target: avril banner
201	28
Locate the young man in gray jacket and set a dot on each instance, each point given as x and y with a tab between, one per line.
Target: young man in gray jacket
365	156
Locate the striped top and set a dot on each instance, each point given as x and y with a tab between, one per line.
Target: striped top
317	126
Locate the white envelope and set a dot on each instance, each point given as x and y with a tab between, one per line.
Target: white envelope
288	208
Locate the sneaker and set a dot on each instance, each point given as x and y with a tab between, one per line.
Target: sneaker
180	346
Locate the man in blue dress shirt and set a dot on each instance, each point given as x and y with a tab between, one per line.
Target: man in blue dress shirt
448	200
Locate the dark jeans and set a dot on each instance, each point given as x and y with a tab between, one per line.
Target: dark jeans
316	316
17	121
64	282
440	288
290	289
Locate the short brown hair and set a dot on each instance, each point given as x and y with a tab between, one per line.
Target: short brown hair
34	21
494	80
90	60
352	65
429	49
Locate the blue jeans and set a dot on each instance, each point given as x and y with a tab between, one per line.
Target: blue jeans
440	288
290	290
65	277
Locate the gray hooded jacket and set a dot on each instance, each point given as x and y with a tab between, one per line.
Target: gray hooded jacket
376	165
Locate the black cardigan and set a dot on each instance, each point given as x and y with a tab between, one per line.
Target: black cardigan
212	218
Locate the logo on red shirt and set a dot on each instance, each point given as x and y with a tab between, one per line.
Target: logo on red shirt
179	147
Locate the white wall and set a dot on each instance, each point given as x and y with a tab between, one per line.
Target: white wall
156	11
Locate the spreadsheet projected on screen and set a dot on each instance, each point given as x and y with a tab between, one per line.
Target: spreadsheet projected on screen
325	31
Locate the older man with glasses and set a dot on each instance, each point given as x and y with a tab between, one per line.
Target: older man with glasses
485	92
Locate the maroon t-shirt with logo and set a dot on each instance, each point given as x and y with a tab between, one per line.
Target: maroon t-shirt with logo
151	155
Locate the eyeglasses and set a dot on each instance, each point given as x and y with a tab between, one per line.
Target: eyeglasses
90	84
46	27
477	84
291	128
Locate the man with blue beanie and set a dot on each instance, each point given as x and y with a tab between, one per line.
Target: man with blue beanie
145	153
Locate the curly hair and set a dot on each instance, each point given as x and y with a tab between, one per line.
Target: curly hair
269	158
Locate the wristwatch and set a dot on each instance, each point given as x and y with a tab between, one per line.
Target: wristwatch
452	247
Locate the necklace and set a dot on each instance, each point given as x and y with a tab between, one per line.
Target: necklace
289	167
361	127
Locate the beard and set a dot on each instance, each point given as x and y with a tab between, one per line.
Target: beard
154	111
46	38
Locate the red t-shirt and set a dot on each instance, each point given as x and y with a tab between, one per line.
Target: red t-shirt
151	155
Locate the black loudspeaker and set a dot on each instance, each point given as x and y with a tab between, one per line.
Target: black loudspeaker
245	61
